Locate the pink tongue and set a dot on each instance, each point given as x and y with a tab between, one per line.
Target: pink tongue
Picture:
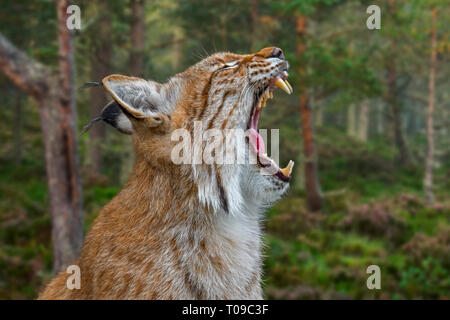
257	141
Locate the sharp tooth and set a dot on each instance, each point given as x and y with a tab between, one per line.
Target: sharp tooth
264	99
289	85
282	85
288	170
270	95
258	106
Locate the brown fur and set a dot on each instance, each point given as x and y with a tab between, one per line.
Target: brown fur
133	249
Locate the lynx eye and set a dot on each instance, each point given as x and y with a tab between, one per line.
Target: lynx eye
230	65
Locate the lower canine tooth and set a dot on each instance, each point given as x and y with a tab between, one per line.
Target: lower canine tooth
289	85
282	85
264	99
288	170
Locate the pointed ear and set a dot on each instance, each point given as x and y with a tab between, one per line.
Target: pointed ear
139	98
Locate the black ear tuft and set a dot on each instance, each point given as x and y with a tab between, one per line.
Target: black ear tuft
90	85
89	125
112	114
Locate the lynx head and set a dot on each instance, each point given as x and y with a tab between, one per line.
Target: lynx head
223	91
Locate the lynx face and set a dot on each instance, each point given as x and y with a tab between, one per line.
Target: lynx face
224	91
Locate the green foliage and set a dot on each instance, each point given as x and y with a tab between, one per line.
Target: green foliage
335	67
306	7
32	24
374	211
25	247
371	164
325	260
325	255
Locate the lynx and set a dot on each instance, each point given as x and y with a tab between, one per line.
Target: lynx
185	231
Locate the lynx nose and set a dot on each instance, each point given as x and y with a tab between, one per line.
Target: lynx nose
277	53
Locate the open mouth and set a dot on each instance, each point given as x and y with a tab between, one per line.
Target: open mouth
256	141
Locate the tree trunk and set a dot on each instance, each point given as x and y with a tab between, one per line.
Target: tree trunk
318	117
351	120
299	176
55	97
403	158
17	128
100	68
363	123
254	25
314	195
65	181
393	103
428	182
313	192
137	70
137	38
177	51
380	118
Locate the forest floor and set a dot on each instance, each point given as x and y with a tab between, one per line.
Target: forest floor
374	213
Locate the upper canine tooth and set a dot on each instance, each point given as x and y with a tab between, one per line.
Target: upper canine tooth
258	106
270	95
282	85
289	85
264	100
288	170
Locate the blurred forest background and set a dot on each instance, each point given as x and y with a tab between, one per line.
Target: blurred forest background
372	186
